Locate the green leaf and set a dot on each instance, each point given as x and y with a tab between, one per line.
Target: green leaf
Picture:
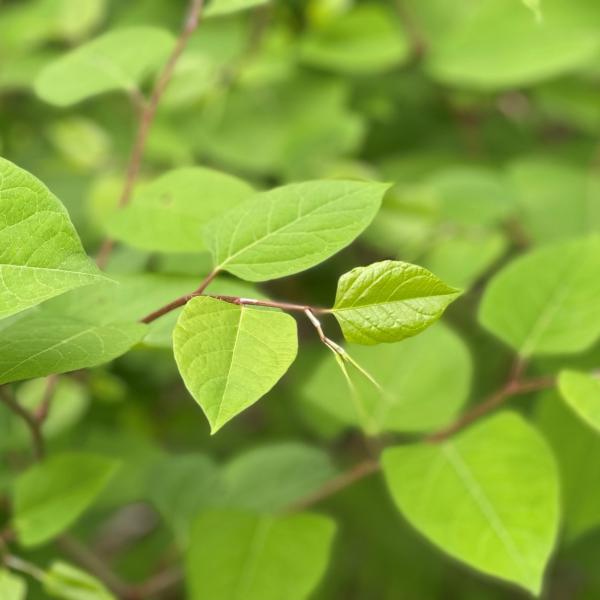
66	582
292	228
243	555
556	200
389	301
117	60
365	40
217	8
463	260
12	587
168	215
272	477
425	382
42	344
51	496
581	392
182	486
490	47
40	253
546	301
577	449
230	355
488	497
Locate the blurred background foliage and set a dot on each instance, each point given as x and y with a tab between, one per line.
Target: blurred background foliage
485	114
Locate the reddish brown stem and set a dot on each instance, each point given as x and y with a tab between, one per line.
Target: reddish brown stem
270	303
512	388
35	429
174	304
147	117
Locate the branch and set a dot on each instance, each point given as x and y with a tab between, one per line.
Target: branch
513	387
181	301
34	426
147	117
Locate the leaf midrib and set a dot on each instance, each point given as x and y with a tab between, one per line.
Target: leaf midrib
486	508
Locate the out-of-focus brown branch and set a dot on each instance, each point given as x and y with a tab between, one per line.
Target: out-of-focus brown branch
32	423
147	117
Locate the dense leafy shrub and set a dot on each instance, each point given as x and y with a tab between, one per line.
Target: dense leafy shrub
227	235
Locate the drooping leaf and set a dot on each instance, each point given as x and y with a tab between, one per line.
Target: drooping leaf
230	355
257	557
40	253
488	497
41	344
546	301
367	39
292	228
389	301
581	392
66	582
12	587
272	477
217	8
50	496
425	382
168	215
577	449
117	60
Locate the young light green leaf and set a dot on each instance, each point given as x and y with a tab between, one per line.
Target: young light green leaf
577	449
12	587
40	253
389	301
365	40
292	228
546	301
425	382
272	477
41	344
488	497
581	392
217	8
66	582
117	60
49	497
168	215
243	555
230	355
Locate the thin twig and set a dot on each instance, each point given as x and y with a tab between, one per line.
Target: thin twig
512	388
43	410
167	579
93	563
181	301
147	117
35	429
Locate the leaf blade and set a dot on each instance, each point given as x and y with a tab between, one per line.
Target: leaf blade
292	228
389	301
450	494
40	253
215	368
